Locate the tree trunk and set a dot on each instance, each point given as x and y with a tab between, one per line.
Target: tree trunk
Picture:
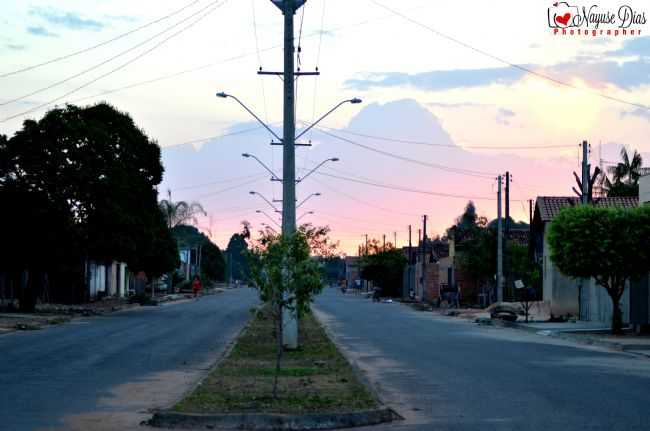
617	315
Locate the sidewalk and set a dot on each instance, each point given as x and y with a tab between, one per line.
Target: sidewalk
588	333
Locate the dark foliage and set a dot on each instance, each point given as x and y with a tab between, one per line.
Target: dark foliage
80	184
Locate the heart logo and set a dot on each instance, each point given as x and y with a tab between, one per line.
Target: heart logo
564	19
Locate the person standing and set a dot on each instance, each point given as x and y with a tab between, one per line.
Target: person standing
196	286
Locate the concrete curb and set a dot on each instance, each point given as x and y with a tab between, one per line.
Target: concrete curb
569	336
272	422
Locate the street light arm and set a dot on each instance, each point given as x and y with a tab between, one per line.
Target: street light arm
269	217
326	114
306	199
275	177
315	169
268	202
259	120
304	215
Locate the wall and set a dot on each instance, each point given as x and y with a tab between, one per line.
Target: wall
597	305
644	189
559	291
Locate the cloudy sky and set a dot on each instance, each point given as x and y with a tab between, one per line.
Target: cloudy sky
454	94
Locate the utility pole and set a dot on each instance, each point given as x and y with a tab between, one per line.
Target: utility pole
585	172
288	8
418	252
499	245
410	247
384	242
424	254
395	240
366	244
506	238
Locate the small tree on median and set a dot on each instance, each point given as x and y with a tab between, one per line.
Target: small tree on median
610	245
287	278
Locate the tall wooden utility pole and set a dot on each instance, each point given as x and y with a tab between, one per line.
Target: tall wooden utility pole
499	245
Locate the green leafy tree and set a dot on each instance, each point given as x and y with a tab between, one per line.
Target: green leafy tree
385	269
90	174
287	278
237	254
180	212
625	176
213	263
610	245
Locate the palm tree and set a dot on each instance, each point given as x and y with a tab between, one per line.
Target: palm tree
625	176
181	212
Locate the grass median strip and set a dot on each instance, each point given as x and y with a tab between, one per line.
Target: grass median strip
316	378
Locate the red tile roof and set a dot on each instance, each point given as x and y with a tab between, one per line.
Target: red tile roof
550	206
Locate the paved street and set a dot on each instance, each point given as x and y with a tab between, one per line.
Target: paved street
106	372
447	374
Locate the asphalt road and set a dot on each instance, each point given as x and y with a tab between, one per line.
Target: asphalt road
446	374
107	372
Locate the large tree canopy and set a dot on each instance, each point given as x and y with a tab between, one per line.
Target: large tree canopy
89	176
610	245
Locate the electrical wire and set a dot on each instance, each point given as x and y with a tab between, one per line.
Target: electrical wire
122	66
102	63
368	204
211	138
227	189
223	61
459	171
222	181
405	189
508	63
431	144
99	45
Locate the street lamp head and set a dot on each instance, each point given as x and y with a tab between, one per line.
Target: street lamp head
246	155
259	211
317	194
252	193
222	95
355	101
334	159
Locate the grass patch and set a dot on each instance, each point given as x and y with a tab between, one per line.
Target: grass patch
316	378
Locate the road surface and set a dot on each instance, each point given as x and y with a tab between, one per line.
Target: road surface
447	374
105	373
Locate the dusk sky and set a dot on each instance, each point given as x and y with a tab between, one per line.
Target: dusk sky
444	110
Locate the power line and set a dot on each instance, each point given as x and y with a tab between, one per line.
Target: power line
222	181
100	64
506	62
210	138
355	199
122	66
83	51
226	60
405	189
227	189
467	172
457	147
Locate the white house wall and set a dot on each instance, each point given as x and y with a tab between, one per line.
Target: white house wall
644	189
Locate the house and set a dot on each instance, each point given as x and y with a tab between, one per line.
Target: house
640	289
107	279
352	271
567	296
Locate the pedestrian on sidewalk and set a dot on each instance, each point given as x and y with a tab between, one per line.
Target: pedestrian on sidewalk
196	285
